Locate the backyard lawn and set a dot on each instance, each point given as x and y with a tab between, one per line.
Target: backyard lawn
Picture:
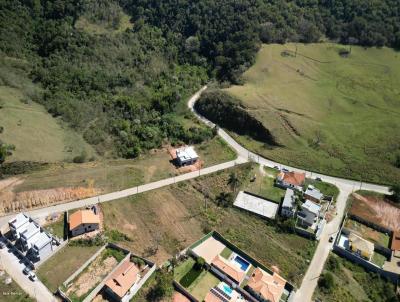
63	264
57	227
378	259
202	285
264	186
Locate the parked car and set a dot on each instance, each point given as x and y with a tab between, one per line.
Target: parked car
331	239
2	245
318	179
276	168
285	170
26	270
32	276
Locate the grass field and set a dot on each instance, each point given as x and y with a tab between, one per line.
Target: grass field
36	135
353	284
63	264
12	292
161	222
331	114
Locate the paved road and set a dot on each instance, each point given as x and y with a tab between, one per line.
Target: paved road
346	187
14	268
311	277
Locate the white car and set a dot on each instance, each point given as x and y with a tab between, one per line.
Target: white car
32	276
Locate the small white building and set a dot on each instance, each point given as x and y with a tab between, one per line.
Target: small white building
18	224
289	204
186	156
83	221
313	194
309	213
29	236
42	246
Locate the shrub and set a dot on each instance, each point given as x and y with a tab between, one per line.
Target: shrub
326	282
200	263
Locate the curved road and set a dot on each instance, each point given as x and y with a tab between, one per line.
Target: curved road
310	279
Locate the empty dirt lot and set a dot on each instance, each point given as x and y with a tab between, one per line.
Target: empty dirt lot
376	210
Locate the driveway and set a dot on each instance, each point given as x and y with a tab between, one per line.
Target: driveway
14	268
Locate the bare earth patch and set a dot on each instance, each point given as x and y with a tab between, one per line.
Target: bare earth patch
11	201
376	210
95	273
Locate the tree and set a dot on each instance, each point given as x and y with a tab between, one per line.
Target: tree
224	199
5	151
163	289
200	263
395	190
233	181
326	282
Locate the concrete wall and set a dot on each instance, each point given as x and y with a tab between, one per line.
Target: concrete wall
366	264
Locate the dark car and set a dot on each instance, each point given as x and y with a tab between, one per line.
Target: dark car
318	179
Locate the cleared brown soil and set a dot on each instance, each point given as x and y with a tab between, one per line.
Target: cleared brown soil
11	201
376	210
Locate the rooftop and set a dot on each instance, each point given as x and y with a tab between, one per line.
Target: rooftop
396	241
186	153
42	240
19	220
31	230
256	205
311	207
288	201
314	192
228	268
82	216
270	287
358	243
293	178
123	278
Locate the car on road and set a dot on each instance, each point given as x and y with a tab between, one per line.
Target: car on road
318	179
285	170
331	238
32	276
276	168
26	270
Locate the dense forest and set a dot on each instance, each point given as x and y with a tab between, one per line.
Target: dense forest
121	87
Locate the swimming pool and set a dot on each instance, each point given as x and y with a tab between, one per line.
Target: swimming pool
226	288
243	264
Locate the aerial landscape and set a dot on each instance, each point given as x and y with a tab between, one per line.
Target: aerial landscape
190	151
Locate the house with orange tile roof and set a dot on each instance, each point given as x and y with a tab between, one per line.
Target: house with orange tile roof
229	269
291	180
395	247
83	221
266	287
120	282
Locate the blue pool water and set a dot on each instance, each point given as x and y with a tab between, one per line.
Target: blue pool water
242	263
226	288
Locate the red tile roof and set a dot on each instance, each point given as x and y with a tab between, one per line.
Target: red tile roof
396	241
178	297
228	268
293	178
82	216
123	278
270	287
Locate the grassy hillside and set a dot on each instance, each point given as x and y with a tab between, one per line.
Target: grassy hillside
335	114
353	283
36	135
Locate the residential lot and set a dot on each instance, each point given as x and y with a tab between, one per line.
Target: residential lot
228	274
172	218
352	283
376	208
12	292
64	263
368	233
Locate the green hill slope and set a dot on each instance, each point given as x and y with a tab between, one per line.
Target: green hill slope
334	114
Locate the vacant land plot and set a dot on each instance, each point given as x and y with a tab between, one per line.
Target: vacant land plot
368	233
12	292
94	273
63	264
352	283
161	222
375	208
36	135
338	115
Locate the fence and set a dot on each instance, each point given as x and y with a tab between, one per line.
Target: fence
370	224
183	291
393	277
